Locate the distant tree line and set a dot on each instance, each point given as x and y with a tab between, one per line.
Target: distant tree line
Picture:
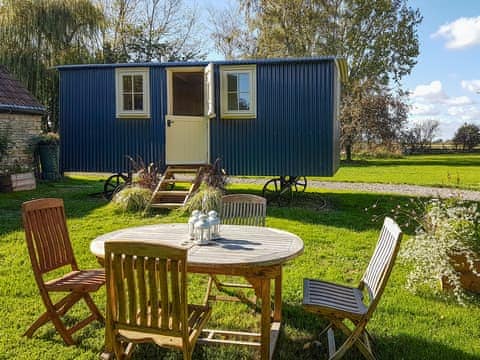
420	137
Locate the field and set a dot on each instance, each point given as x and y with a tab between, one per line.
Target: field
339	240
449	170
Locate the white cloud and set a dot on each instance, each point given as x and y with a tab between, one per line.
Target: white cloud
465	113
460	100
433	92
461	33
424	109
471	85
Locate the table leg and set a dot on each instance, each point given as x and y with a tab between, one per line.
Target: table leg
265	325
277	310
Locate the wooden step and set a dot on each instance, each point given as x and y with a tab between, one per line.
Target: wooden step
163	198
166	205
181	170
173	192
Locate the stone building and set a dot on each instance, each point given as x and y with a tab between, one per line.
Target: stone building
20	119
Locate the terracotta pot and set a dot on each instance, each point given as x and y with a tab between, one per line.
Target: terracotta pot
468	279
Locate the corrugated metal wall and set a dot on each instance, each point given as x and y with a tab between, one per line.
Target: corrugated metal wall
294	129
293	134
92	139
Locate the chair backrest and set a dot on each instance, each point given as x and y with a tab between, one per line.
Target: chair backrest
47	237
243	209
380	266
144	281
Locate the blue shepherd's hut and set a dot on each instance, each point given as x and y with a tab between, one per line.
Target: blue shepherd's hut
261	117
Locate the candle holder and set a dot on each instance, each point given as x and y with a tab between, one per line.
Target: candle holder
214	222
202	230
191	223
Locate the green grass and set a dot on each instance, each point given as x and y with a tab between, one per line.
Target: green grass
450	170
338	241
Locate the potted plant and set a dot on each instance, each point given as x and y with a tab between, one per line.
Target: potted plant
47	146
446	247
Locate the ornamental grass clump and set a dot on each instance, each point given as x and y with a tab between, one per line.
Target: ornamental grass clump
447	228
209	194
132	199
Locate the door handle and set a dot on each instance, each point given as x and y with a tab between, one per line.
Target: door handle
169	122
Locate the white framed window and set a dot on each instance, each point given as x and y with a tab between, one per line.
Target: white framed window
132	87
238	89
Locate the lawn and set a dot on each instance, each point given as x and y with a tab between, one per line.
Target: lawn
339	240
450	170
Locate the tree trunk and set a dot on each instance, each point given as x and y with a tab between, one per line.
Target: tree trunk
348	151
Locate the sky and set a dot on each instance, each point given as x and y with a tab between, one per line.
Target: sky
445	83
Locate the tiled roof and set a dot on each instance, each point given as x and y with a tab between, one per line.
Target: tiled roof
15	98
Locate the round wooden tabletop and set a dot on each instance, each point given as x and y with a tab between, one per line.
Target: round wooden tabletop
238	245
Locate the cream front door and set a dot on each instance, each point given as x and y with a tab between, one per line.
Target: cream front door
190	106
186	139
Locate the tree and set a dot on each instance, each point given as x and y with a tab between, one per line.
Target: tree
146	30
467	135
36	35
378	38
420	136
231	35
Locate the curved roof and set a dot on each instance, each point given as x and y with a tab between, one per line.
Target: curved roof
15	98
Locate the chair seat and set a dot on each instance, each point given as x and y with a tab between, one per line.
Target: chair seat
78	281
328	298
197	316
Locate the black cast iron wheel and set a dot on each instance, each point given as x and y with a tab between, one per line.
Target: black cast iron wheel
114	184
278	191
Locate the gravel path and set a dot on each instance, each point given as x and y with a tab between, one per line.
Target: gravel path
402	189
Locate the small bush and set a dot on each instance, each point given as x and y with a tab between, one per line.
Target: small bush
145	176
50	138
206	198
448	227
132	199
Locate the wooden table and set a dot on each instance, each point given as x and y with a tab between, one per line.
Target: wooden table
256	253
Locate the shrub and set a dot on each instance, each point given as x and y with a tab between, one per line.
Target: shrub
206	198
209	194
47	139
146	176
446	228
132	199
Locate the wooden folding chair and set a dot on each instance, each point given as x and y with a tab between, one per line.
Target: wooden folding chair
50	249
239	209
340	303
147	298
243	209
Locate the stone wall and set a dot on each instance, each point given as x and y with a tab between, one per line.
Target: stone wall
21	128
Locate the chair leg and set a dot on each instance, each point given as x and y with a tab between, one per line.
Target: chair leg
209	290
62	330
187	353
93	308
53	314
42	320
353	338
118	349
